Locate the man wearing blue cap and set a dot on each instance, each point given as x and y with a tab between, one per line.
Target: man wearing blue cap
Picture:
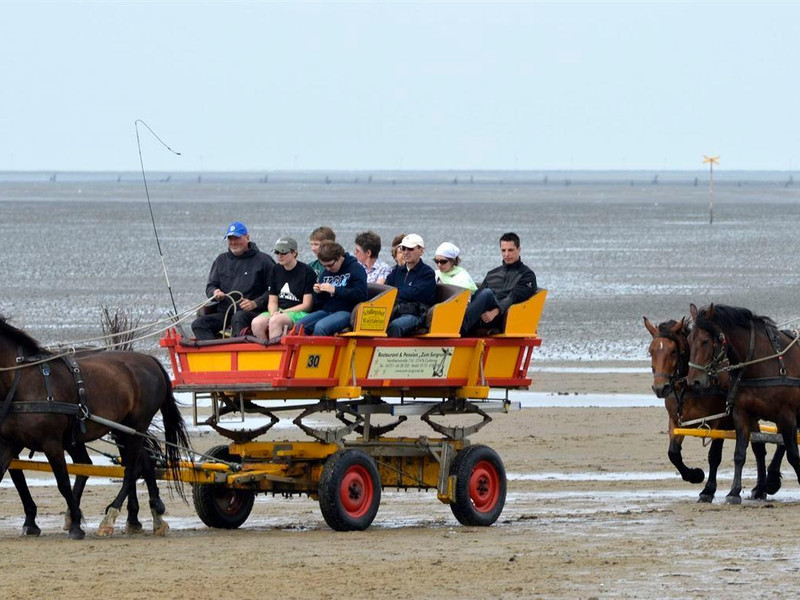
243	269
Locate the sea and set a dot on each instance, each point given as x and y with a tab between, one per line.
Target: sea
610	247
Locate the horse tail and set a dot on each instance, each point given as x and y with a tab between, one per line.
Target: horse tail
175	433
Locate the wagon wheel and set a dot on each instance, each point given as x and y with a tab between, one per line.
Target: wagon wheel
349	490
480	486
218	505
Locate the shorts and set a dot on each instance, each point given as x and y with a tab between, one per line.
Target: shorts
295	315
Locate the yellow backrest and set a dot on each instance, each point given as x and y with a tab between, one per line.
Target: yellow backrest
371	317
445	317
522	320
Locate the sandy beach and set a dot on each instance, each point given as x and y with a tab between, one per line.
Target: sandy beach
594	510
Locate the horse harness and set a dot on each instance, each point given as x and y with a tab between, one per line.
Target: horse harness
720	363
80	410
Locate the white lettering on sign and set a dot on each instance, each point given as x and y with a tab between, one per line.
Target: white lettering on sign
415	362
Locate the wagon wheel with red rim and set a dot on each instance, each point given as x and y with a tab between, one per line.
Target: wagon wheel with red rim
480	493
221	506
349	490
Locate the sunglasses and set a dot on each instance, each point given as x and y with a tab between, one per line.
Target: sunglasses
328	265
441	261
407	249
277	253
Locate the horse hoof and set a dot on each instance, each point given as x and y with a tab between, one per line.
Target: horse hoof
105	531
757	495
161	530
773	483
133	528
31	530
705	499
76	534
733	500
696	476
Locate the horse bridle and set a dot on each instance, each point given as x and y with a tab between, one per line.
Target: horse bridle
683	361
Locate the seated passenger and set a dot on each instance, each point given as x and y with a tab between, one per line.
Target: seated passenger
319	235
416	288
368	246
449	271
397	254
244	269
511	283
291	288
342	285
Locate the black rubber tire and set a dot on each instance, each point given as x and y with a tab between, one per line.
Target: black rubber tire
480	486
349	490
218	505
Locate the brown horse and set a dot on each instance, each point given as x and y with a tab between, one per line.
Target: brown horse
669	362
746	355
48	413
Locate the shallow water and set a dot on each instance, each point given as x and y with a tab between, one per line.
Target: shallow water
607	252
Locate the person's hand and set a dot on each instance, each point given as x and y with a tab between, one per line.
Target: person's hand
325	287
218	294
246	304
490	315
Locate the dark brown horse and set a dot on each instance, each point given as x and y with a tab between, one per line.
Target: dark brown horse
67	406
757	365
669	361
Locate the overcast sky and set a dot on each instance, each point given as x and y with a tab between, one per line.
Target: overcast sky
264	86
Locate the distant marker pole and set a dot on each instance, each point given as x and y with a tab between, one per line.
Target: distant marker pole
711	160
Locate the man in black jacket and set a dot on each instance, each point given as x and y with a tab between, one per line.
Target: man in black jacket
511	283
243	268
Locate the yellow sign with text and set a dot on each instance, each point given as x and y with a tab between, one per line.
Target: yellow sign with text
373	318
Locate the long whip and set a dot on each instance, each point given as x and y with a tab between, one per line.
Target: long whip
150	206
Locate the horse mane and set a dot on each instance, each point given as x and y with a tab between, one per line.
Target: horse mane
20	338
665	328
729	317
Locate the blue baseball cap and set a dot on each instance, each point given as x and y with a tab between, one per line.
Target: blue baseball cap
236	229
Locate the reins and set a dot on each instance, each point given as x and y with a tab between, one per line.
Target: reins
76	347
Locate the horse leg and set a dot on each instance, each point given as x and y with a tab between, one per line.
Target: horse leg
760	452
58	464
157	508
132	450
774	471
691	475
739	457
132	524
29	527
79	456
788	430
714	458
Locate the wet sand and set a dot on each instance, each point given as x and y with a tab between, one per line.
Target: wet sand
594	510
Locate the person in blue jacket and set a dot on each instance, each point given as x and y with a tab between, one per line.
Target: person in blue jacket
416	288
341	285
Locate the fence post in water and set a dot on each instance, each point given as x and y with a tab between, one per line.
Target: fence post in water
711	160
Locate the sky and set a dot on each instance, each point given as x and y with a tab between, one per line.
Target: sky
262	86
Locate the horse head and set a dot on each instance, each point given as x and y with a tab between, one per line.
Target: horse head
669	355
708	351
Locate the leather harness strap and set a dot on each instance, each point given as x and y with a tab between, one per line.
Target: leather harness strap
4	409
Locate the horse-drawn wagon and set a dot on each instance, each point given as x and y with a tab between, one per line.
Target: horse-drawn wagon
361	378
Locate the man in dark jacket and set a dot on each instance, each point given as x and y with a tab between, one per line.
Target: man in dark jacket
243	268
416	288
511	283
342	284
